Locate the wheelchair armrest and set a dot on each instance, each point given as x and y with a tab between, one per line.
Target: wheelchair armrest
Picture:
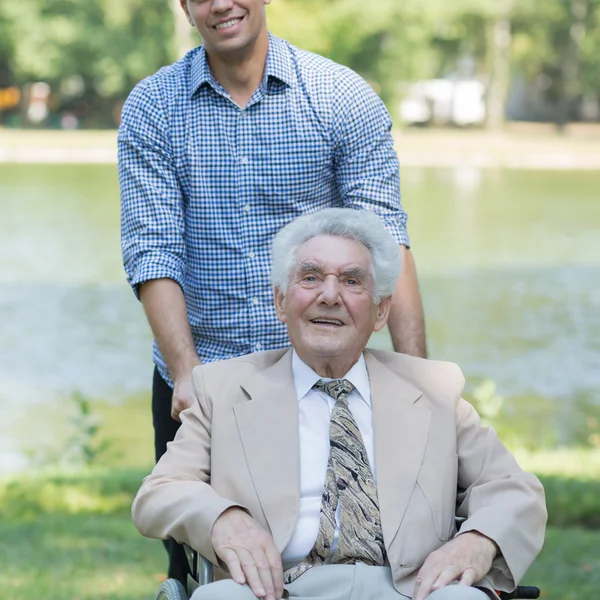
522	592
201	569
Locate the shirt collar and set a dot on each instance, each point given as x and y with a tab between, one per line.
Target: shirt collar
305	378
279	62
278	66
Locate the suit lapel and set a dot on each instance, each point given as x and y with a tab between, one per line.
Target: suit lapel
269	430
400	429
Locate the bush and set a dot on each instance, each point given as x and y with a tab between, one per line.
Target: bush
572	502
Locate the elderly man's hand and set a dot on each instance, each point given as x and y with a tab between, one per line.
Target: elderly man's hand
466	559
249	553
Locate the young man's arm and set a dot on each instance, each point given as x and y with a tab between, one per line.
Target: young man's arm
152	233
406	321
166	312
368	177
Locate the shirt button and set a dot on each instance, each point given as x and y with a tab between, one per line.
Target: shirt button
258	346
247	208
255	301
244	160
251	254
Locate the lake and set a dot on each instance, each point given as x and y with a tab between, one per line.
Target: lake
509	265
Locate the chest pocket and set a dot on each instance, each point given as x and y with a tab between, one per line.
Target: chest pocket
438	482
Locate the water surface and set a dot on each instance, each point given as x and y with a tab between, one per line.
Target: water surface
509	264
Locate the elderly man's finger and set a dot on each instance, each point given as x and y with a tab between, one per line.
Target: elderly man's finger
250	568
424	585
264	572
232	562
448	575
469	577
274	559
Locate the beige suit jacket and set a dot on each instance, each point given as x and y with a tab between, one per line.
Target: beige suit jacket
239	445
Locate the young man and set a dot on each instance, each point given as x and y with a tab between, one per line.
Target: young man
217	153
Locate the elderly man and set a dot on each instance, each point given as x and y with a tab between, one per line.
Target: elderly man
335	472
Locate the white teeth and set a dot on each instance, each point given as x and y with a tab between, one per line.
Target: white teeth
332	321
227	24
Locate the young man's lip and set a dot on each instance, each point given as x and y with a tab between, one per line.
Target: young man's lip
238	19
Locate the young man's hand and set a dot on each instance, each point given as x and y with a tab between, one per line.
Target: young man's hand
182	393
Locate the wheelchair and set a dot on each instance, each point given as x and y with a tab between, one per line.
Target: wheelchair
201	573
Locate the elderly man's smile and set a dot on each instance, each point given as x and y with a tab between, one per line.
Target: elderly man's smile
327	323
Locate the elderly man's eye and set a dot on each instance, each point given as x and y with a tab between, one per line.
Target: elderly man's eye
351	281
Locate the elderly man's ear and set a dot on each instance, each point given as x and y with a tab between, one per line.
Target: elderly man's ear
383	311
278	298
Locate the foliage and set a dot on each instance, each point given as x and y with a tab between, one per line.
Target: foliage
572	502
93	52
84	447
109	45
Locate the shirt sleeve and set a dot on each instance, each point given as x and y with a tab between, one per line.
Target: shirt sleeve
366	164
152	222
498	499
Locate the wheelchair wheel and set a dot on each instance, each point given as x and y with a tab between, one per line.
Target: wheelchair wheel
171	589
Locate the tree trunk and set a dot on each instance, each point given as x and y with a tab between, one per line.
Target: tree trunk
572	62
497	96
184	40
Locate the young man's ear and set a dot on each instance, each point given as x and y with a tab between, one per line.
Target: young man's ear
278	298
183	4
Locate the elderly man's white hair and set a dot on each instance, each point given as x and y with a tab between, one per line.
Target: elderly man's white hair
361	225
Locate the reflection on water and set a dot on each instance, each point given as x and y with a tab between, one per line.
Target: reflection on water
508	261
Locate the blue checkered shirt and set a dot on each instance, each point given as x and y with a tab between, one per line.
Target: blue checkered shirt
206	185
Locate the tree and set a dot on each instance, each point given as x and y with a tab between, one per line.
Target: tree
571	64
107	45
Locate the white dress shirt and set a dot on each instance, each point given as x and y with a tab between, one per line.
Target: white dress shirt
314	412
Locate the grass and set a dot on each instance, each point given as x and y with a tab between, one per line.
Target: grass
69	536
568	567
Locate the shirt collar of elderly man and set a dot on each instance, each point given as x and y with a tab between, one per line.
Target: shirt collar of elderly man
237	482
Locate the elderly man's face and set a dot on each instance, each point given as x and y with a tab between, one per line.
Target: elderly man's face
328	308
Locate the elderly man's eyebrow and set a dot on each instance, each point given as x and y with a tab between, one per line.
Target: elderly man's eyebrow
354	272
309	267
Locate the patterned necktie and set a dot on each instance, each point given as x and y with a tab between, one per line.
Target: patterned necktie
349	480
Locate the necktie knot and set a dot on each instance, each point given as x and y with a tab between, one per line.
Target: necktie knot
338	389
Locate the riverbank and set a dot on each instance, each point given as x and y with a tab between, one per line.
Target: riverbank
70	535
519	146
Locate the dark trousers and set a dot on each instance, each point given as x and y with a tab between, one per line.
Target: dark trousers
165	429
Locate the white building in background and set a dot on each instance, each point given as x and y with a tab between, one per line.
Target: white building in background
459	102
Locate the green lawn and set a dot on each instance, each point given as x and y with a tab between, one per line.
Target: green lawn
70	537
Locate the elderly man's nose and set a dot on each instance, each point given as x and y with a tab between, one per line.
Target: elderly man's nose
330	290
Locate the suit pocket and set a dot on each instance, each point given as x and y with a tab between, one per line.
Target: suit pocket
438	480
